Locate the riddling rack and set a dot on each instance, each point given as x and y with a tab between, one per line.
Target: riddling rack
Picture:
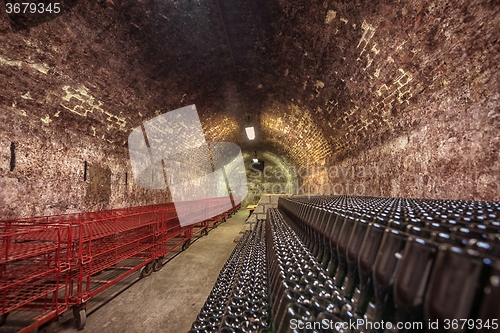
349	264
51	263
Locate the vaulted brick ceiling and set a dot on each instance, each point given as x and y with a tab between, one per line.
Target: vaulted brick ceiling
321	81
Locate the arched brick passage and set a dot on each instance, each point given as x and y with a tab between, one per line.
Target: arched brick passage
392	99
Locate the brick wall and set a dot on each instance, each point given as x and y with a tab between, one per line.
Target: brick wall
74	85
266	201
408	89
374	97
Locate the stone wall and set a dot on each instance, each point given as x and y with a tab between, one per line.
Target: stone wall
266	201
409	88
73	86
406	91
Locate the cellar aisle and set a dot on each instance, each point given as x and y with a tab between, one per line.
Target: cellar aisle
169	300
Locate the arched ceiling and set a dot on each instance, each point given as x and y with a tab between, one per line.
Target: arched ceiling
139	59
321	81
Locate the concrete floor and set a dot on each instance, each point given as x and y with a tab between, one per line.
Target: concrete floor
169	300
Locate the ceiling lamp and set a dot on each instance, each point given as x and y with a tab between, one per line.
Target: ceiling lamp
250	133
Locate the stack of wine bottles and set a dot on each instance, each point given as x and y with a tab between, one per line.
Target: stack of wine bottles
301	291
239	301
362	264
402	265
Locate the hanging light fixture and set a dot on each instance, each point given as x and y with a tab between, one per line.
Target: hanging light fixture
250	132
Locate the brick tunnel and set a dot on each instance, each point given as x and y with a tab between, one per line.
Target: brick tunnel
346	98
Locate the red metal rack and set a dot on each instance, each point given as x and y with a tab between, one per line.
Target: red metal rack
54	262
102	243
33	271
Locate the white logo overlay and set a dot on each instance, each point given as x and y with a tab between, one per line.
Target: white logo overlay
170	151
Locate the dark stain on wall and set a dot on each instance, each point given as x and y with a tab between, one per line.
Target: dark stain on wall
99	185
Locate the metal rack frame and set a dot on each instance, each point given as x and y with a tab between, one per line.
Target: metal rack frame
51	263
